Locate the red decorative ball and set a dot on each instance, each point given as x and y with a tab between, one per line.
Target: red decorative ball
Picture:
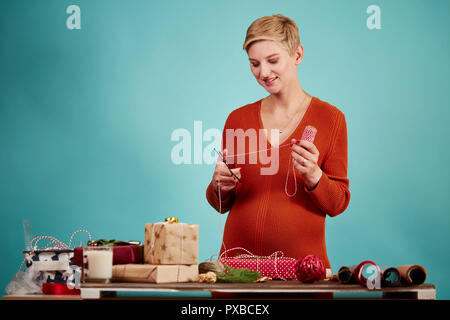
309	269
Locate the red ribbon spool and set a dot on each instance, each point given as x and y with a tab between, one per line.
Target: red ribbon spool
59	289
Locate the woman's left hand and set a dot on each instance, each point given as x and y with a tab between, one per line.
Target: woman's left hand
305	156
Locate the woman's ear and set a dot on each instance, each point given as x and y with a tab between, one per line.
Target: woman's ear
299	55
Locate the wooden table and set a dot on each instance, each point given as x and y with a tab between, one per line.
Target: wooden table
41	297
289	288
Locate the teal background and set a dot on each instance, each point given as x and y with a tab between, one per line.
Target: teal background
86	118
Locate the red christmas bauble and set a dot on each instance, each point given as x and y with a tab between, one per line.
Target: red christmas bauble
310	269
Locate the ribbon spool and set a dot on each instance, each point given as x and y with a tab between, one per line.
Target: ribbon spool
171	220
59	289
359	276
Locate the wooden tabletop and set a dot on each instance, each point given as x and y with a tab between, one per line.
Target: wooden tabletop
97	290
41	297
269	286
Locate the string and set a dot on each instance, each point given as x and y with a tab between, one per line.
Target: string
243	154
220	217
54	244
181	245
285	186
308	134
290	162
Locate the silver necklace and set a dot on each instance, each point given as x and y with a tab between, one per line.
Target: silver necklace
282	129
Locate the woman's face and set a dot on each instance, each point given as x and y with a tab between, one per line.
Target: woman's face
272	65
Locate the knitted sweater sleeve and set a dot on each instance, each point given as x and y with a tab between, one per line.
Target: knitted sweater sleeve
212	196
332	193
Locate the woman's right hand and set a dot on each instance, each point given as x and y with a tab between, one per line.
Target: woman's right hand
223	178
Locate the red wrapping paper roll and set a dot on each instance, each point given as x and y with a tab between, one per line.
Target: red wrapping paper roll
351	274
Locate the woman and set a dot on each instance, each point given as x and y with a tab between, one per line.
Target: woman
274	212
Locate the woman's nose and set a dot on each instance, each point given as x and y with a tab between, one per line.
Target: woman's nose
265	71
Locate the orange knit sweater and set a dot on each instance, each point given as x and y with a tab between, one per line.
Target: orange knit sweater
262	218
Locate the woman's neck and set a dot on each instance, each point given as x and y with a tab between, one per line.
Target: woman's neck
290	100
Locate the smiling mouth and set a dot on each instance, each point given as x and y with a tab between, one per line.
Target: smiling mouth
270	81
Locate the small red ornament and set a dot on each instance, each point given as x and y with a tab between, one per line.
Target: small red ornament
92	244
310	269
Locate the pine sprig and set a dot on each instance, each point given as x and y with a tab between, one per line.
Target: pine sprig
238	275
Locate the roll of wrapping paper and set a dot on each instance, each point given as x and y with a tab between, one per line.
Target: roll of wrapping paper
353	274
412	274
390	277
345	274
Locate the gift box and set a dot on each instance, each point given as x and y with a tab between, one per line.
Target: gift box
154	273
48	260
171	243
51	266
275	268
67	276
121	254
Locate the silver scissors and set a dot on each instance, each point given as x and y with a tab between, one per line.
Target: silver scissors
224	161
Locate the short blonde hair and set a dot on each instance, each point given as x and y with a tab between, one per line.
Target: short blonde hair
276	27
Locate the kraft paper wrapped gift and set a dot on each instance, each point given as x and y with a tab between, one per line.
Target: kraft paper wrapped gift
155	273
171	243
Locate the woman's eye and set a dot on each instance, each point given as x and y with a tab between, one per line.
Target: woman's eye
273	61
255	64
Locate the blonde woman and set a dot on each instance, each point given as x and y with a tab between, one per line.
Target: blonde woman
274	212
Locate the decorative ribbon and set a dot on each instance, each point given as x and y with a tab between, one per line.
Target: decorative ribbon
171	220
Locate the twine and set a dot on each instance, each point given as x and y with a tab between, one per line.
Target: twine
289	166
285	186
54	244
251	255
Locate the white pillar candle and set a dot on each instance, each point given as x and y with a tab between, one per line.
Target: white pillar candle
99	264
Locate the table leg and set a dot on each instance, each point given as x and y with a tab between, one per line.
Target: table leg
90	293
423	294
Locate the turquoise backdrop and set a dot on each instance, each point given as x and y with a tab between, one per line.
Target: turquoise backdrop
86	117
